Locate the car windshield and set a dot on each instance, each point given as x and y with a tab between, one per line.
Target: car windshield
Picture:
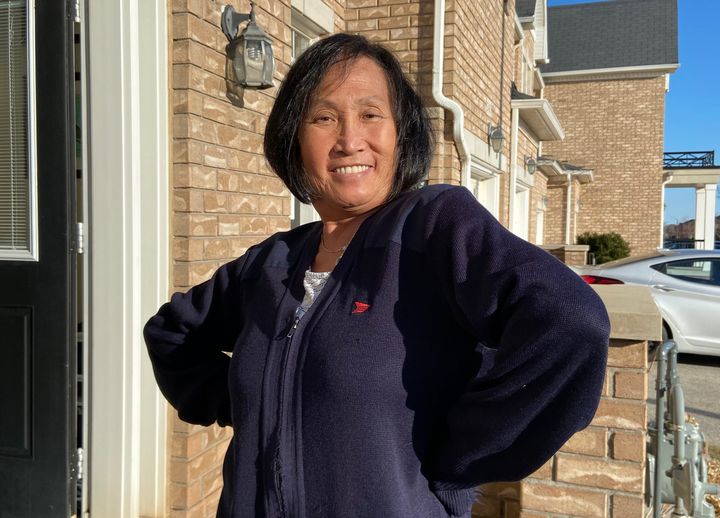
628	260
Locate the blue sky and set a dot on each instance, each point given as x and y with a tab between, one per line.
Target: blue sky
692	110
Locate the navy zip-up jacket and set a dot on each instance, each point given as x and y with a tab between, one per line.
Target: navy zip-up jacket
444	352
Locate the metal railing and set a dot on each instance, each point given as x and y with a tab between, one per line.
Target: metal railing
688	159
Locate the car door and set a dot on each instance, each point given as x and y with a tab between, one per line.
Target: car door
688	292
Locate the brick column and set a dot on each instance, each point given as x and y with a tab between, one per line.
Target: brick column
574	255
599	472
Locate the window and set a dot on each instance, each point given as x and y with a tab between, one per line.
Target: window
18	222
526	75
304	33
703	271
300	42
485	190
521	212
540	226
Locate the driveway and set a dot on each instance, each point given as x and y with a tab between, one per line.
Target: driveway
700	380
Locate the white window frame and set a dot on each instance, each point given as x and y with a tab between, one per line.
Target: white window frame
32	253
521	214
482	174
540	226
301	213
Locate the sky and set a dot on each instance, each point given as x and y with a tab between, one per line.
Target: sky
692	106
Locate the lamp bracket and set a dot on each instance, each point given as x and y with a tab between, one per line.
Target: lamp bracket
231	19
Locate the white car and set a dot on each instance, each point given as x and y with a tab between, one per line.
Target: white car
686	287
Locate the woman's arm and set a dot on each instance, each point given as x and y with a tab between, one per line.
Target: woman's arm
186	340
550	333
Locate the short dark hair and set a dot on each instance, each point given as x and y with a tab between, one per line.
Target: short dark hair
414	136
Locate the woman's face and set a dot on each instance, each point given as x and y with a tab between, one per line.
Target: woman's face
348	140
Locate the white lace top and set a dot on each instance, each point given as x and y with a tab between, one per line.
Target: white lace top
314	282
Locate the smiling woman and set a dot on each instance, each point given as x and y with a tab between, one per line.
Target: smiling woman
347	140
391	357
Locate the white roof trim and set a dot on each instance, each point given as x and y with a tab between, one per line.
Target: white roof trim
550	167
633	72
527	22
540	117
541	38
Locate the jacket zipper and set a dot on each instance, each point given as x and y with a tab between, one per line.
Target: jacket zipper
281	434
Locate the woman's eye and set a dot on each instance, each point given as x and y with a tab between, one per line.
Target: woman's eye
372	116
322	119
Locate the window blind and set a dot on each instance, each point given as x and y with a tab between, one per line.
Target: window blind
14	164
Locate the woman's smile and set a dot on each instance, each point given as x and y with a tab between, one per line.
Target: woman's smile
348	140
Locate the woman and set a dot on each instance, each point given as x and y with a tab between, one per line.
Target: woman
393	356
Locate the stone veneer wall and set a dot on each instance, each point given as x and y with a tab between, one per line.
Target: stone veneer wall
615	128
599	472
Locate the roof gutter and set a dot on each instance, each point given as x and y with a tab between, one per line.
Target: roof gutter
638	71
439	97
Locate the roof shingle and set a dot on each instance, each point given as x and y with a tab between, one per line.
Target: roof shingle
525	8
611	34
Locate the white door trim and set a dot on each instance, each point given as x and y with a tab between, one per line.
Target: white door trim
129	252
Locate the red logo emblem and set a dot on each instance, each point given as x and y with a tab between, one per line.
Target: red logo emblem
360	307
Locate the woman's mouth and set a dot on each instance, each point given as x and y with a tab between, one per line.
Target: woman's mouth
351	169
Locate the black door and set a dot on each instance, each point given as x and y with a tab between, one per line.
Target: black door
37	308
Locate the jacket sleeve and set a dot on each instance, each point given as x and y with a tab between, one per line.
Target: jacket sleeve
549	334
186	340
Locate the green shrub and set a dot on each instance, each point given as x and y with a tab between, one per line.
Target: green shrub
605	247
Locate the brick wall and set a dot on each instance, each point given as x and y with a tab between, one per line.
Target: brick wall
225	198
473	61
615	128
557	209
599	472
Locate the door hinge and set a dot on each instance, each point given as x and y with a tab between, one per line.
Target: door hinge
75	6
76	464
79	238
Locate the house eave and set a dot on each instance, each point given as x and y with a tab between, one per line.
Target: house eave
527	22
540	117
633	72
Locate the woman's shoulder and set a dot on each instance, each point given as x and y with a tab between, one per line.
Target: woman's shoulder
436	195
277	250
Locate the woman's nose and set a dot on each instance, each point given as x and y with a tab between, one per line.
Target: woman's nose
350	137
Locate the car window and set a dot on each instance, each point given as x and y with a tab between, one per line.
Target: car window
703	271
628	260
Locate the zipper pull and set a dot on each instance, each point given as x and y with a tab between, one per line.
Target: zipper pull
298	314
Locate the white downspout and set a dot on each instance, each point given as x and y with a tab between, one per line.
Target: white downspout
568	209
445	102
515	122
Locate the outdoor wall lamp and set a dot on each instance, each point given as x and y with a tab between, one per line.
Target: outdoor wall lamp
249	62
496	137
530	165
